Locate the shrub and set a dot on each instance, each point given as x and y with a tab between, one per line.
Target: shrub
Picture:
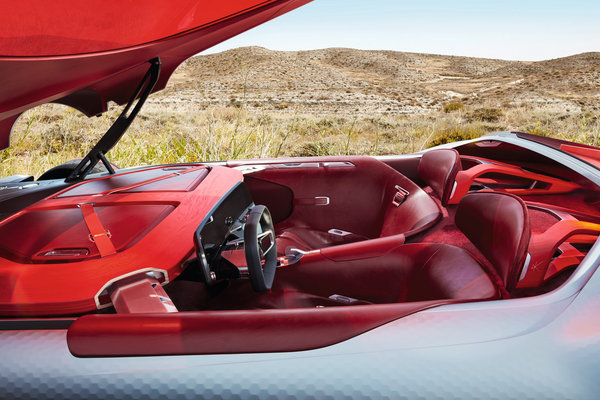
455	134
485	114
453	106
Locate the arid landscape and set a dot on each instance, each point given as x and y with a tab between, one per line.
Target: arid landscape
253	102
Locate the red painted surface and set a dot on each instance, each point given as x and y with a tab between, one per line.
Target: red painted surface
220	332
464	180
33	28
569	257
544	245
29	287
85	56
590	155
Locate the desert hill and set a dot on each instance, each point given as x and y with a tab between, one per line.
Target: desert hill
387	82
252	102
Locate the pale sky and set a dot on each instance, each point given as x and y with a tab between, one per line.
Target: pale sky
510	29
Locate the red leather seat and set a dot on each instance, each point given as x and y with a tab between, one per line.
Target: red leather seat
438	168
498	225
410	272
362	205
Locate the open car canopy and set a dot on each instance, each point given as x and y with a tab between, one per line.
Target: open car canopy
84	54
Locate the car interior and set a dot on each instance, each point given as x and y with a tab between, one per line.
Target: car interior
356	241
336	223
379	238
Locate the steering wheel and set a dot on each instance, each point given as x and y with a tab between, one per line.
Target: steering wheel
260	248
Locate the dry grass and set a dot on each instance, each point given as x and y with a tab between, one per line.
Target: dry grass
253	102
52	134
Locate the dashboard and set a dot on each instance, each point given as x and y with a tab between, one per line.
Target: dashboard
221	232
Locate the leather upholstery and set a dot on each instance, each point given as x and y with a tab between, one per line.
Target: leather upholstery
438	168
406	273
418	213
360	196
498	225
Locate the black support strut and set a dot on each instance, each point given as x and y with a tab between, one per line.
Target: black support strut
118	128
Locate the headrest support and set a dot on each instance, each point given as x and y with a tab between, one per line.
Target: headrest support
498	225
438	168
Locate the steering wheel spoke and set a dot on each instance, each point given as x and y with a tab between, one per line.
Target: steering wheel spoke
261	242
260	248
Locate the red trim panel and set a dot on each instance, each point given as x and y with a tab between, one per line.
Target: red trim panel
224	332
464	180
590	155
33	287
543	247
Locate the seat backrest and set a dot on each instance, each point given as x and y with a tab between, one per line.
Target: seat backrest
498	225
438	168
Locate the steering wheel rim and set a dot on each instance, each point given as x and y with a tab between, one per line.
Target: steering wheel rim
258	233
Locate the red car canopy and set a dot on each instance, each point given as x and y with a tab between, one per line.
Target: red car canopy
86	53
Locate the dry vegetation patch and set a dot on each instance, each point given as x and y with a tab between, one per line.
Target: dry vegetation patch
252	103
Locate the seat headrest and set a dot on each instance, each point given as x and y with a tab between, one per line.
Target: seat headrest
438	168
498	225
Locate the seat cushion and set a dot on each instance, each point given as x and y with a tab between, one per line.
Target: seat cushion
406	273
448	272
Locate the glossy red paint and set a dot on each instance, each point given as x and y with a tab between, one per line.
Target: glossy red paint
80	63
570	257
120	225
588	154
544	245
465	179
222	332
32	287
585	152
34	28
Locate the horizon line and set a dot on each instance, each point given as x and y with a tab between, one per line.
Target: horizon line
210	51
